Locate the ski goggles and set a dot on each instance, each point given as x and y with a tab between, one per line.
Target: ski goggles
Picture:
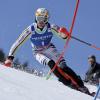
41	18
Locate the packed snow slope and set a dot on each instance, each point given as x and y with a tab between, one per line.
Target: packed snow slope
18	85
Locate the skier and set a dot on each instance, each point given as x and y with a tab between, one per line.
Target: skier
45	52
93	73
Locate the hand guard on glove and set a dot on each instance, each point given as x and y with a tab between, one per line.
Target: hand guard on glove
63	32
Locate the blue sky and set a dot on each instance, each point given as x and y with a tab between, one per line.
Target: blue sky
16	15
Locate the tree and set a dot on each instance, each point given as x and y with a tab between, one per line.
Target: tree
25	65
17	64
2	56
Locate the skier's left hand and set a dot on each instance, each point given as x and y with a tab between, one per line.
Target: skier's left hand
63	32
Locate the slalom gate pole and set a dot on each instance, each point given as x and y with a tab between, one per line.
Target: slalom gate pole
97	92
67	41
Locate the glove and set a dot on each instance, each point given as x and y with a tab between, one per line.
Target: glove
63	32
9	61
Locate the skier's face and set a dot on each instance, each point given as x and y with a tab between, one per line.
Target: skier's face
91	61
41	21
41	24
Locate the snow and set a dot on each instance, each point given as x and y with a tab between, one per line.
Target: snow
18	85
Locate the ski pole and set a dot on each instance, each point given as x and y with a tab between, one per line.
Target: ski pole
89	44
97	92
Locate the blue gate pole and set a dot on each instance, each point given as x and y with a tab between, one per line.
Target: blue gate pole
97	91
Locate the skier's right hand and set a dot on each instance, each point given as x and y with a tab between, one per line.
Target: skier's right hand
8	62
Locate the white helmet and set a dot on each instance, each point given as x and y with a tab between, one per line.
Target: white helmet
42	14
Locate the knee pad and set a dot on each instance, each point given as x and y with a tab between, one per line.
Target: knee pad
51	64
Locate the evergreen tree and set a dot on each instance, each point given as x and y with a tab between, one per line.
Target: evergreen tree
2	56
25	65
17	64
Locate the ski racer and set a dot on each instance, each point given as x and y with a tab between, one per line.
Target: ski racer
40	33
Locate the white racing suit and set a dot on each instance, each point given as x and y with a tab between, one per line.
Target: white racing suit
44	51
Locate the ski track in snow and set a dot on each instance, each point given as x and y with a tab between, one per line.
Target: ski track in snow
18	85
